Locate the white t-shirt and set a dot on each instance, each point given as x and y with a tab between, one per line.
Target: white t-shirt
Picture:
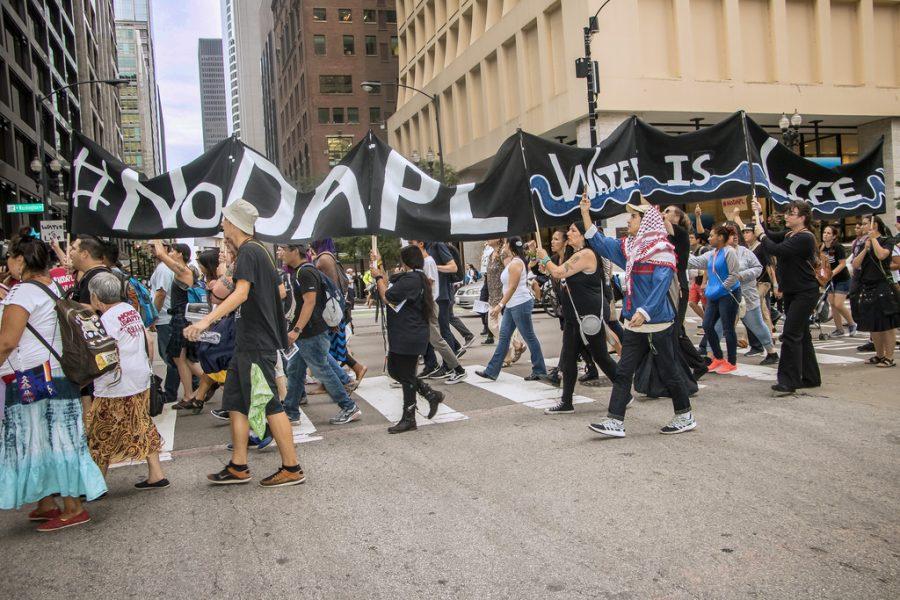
162	279
521	295
124	325
431	271
896	272
41	309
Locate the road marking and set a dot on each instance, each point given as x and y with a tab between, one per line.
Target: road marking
304	432
378	392
833	359
533	394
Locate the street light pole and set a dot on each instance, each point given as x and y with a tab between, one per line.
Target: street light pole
588	69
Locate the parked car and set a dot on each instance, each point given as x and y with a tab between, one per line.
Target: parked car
467	295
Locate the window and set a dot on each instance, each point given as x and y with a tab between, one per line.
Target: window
345	15
395	46
349	45
374	114
371	45
369	16
324	115
390	16
319	14
336	84
319	45
337	147
337	115
352	115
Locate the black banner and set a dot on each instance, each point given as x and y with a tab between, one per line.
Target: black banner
375	189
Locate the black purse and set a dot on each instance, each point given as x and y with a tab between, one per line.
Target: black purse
157	395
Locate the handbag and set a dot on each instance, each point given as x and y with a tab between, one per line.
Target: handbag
157	395
893	289
588	324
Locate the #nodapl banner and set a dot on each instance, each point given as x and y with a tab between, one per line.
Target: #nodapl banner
374	189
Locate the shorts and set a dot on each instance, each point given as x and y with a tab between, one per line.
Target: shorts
236	395
841	287
696	294
279	366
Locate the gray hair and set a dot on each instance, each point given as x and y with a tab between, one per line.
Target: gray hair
106	287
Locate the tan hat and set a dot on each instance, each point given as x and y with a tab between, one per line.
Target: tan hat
641	209
242	215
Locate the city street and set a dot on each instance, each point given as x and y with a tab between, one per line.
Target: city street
768	498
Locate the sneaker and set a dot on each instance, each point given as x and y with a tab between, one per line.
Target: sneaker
488	341
770	359
220	413
753	352
461	351
536	377
851	330
439	373
837	333
469	341
38	517
485	375
679	424
782	390
346	416
283	478
716	364
456	377
725	368
157	485
58	523
590	375
630	402
261	444
230	475
560	409
867	347
610	427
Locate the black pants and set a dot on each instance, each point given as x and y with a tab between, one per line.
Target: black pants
458	325
444	314
798	367
661	346
572	346
402	368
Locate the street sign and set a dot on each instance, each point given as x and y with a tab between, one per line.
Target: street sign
53	230
25	208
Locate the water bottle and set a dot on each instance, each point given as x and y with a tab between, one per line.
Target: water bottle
211	337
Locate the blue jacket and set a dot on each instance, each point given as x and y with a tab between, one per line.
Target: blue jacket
649	290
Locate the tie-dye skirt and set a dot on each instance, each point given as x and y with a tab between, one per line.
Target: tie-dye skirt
43	449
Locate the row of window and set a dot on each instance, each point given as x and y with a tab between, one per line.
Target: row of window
348	45
350	114
345	15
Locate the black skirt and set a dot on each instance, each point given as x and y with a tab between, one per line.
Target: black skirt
178	342
875	308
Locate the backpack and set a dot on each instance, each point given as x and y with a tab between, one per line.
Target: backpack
88	351
215	357
128	294
331	301
344	281
146	308
460	273
196	294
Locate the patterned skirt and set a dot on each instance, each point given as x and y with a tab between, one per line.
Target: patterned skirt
338	348
43	449
121	429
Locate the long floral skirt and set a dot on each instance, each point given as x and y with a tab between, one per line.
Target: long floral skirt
121	429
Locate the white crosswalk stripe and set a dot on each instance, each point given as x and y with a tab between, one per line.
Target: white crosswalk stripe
533	394
377	392
165	424
305	432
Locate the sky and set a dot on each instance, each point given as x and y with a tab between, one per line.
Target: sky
177	25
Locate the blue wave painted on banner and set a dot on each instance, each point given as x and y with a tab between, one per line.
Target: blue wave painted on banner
874	202
555	206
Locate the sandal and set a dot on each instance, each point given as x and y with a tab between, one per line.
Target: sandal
887	363
184	404
874	360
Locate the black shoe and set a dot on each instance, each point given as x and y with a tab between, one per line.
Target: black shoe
469	341
156	485
553	377
488	341
220	413
589	376
562	408
754	352
438	373
770	359
867	347
535	377
782	390
434	398
461	351
485	375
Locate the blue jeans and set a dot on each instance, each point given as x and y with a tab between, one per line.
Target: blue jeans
753	321
312	353
725	307
170	387
517	317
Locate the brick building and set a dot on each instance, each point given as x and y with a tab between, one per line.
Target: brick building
325	49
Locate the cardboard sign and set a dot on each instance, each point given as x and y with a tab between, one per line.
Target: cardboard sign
729	203
53	230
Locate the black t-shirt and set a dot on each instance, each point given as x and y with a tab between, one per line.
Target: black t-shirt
699	251
260	319
307	280
874	270
82	293
682	242
763	257
441	255
836	254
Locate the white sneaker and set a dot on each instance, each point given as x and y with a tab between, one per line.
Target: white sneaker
610	427
456	377
679	424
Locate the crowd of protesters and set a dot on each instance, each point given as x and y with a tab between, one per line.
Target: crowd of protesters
260	323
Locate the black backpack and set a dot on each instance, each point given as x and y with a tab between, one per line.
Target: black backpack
460	274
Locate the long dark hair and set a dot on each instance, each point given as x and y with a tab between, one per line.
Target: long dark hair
209	263
517	247
411	257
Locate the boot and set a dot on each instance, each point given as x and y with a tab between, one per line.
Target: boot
408	421
433	396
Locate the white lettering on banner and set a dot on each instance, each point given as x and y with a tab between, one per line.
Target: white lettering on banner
623	174
461	219
135	190
841	194
677	160
95	195
348	186
578	179
698	169
393	189
190	216
796	182
839	188
278	223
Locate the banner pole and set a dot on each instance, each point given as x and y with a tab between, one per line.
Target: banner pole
750	166
537	228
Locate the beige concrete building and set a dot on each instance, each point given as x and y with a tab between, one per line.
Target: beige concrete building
497	65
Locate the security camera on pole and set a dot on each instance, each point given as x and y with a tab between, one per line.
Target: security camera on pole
587	68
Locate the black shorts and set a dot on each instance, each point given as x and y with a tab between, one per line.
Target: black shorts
236	395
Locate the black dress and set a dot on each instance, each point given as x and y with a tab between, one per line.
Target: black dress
875	308
179	295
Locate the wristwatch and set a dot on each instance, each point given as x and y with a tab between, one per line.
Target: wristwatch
296	330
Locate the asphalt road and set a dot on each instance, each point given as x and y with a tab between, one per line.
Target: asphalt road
767	498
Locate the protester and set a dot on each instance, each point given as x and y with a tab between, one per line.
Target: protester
517	305
86	257
261	333
43	448
840	280
877	307
582	295
446	265
486	256
765	280
697	290
120	427
160	287
795	250
410	313
649	309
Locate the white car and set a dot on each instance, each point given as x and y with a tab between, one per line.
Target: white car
467	295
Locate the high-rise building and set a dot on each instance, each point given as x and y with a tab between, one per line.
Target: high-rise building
243	49
497	65
38	54
325	51
141	109
213	106
268	68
